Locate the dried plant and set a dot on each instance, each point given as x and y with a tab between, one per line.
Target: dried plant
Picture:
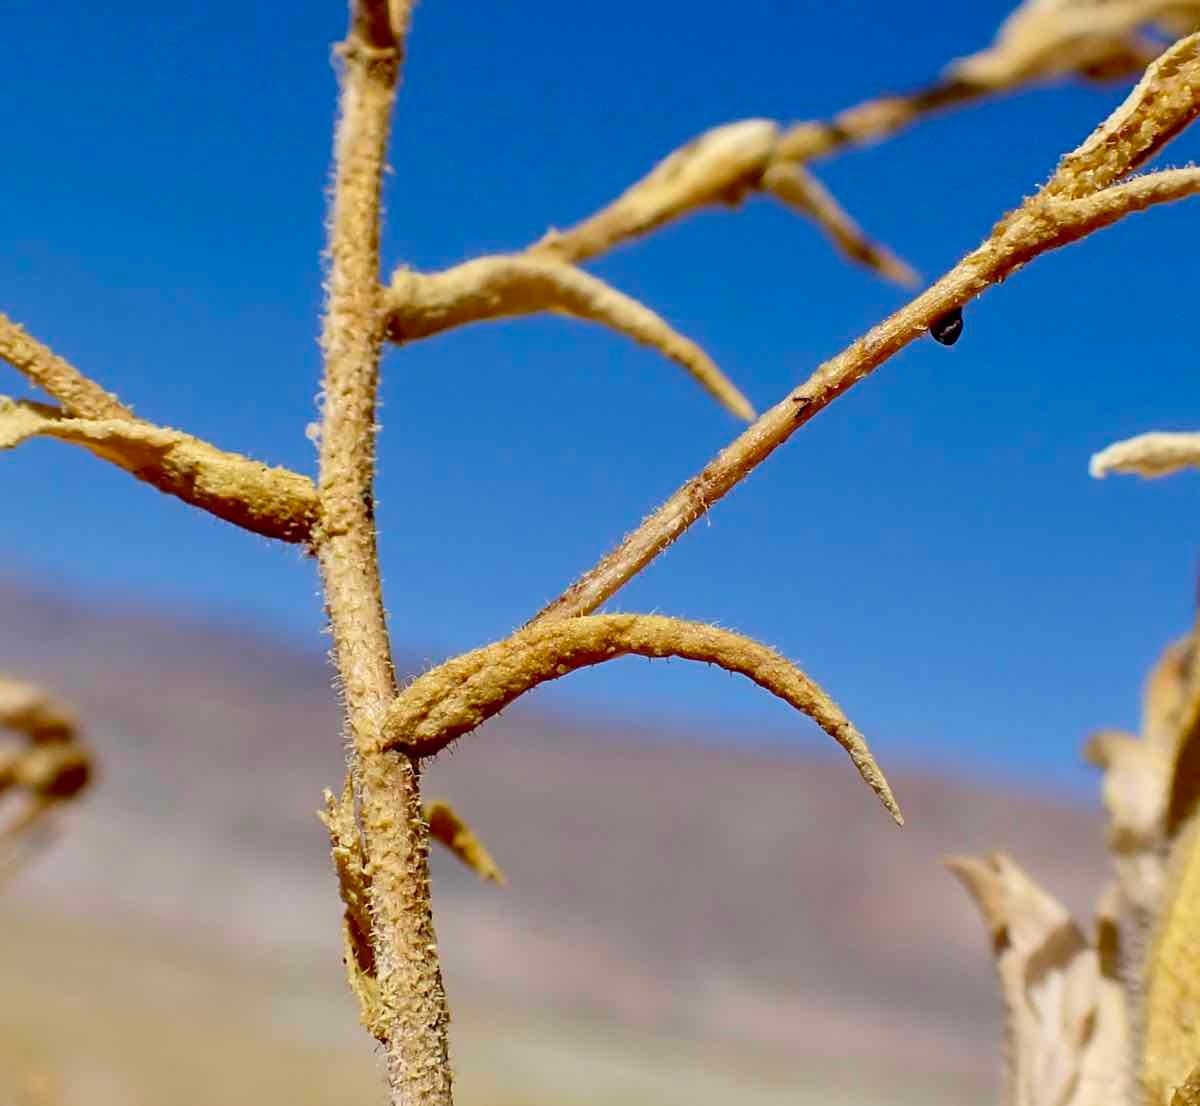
1072	1027
47	765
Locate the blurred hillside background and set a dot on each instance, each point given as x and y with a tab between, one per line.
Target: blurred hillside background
703	901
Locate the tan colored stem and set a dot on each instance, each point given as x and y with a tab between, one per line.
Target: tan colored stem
874	120
421	304
726	164
413	1012
274	502
58	378
458	696
721	166
1043	223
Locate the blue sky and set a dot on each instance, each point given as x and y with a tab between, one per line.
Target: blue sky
931	548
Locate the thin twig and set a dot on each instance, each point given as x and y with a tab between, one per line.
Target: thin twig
395	836
42	366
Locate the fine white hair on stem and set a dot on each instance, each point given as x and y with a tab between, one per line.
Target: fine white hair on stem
458	696
275	502
1077	201
418	305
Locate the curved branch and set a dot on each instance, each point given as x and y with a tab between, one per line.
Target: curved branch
1044	222
418	305
455	698
274	502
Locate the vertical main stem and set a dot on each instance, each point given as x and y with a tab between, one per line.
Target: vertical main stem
395	838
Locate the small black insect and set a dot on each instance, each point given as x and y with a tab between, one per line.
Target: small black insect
948	328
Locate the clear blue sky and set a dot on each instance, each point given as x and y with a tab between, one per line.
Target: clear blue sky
931	548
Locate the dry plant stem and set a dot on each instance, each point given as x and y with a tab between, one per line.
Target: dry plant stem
78	395
734	463
274	502
683	183
387	785
1077	201
458	696
422	304
752	151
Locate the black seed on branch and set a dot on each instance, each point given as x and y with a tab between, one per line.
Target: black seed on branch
948	328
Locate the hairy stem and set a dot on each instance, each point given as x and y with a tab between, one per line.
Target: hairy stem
78	395
395	837
1043	223
694	499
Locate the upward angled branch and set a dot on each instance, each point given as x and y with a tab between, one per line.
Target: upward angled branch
1084	195
57	377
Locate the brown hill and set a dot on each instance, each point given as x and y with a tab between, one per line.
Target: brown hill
682	918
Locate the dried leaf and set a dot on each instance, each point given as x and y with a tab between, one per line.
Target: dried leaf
358	954
1188	1093
720	166
1149	455
1053	218
1045	39
1066	1022
52	767
1135	789
274	502
447	827
458	696
1151	787
798	188
1161	105
420	304
1170	982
